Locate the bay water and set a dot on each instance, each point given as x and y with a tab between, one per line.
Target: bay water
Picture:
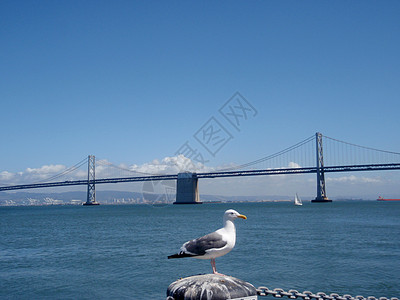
120	252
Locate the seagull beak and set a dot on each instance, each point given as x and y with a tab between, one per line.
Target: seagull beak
242	217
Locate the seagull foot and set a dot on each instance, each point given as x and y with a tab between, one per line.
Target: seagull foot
216	273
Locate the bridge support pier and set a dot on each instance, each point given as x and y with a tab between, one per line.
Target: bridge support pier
321	192
187	191
91	191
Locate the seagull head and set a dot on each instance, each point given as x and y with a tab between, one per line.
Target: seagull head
231	215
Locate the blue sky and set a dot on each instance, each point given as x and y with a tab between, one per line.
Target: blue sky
131	81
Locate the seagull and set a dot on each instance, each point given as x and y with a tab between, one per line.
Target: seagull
215	244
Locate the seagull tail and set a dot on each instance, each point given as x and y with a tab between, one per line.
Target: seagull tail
180	255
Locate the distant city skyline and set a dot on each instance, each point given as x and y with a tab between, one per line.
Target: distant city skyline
139	83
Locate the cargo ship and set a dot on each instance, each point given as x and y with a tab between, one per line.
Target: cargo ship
384	199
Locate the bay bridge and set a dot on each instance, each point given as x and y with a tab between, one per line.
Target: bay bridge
317	154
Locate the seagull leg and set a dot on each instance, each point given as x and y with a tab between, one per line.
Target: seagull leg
214	267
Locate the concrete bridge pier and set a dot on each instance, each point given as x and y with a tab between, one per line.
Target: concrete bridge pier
187	191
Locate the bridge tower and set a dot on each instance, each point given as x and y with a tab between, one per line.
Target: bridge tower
91	191
321	192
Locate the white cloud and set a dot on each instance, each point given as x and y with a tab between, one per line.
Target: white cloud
294	165
170	165
31	175
6	175
46	169
352	179
80	174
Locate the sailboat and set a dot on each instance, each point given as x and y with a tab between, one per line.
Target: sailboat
297	200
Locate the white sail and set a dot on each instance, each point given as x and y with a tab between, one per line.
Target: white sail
297	200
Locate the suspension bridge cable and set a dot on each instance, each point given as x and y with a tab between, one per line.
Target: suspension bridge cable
65	172
272	156
277	154
367	148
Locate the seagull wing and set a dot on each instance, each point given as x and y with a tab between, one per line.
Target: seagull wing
200	245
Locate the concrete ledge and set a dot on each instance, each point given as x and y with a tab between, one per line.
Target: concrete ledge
211	287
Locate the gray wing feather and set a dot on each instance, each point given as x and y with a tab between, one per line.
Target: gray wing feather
200	245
